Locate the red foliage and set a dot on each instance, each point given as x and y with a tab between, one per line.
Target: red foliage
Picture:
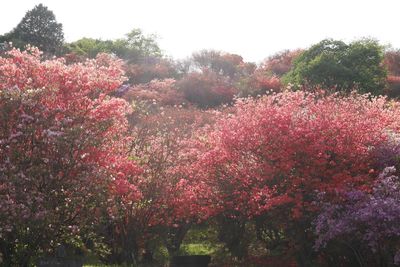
393	79
206	89
160	141
262	83
168	200
286	147
147	71
270	160
266	78
62	144
163	92
228	65
393	89
72	58
259	83
280	63
392	62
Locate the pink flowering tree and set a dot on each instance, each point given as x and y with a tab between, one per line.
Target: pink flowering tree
160	92
268	160
169	205
62	151
280	63
207	89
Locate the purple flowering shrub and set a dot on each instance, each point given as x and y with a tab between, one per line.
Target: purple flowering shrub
366	222
388	154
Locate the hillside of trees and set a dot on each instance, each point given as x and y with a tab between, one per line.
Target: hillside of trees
114	154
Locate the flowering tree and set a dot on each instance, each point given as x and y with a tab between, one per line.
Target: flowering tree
169	204
161	140
162	92
61	150
224	64
392	63
267	77
368	223
281	63
282	149
151	69
206	90
259	83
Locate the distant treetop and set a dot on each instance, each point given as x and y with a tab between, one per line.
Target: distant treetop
135	47
38	28
333	64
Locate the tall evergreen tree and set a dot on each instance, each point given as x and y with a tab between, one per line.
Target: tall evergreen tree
39	28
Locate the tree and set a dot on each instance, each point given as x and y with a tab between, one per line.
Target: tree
224	64
280	63
268	160
160	92
137	46
134	48
145	72
259	83
63	152
89	47
207	89
392	63
38	28
142	55
169	205
336	65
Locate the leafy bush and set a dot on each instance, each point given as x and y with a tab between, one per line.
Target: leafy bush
206	90
272	156
62	152
367	223
343	67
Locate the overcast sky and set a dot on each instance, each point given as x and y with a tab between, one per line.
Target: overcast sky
253	29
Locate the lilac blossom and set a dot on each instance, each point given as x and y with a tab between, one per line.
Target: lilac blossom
370	218
388	153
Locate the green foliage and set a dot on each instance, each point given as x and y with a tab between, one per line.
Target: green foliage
344	67
201	240
197	249
135	47
38	28
90	47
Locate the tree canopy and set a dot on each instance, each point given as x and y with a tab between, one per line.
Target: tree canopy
135	47
38	28
335	64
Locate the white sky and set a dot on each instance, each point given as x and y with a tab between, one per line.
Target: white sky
253	29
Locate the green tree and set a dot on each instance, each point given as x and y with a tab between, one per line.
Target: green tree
344	67
38	28
135	47
89	47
